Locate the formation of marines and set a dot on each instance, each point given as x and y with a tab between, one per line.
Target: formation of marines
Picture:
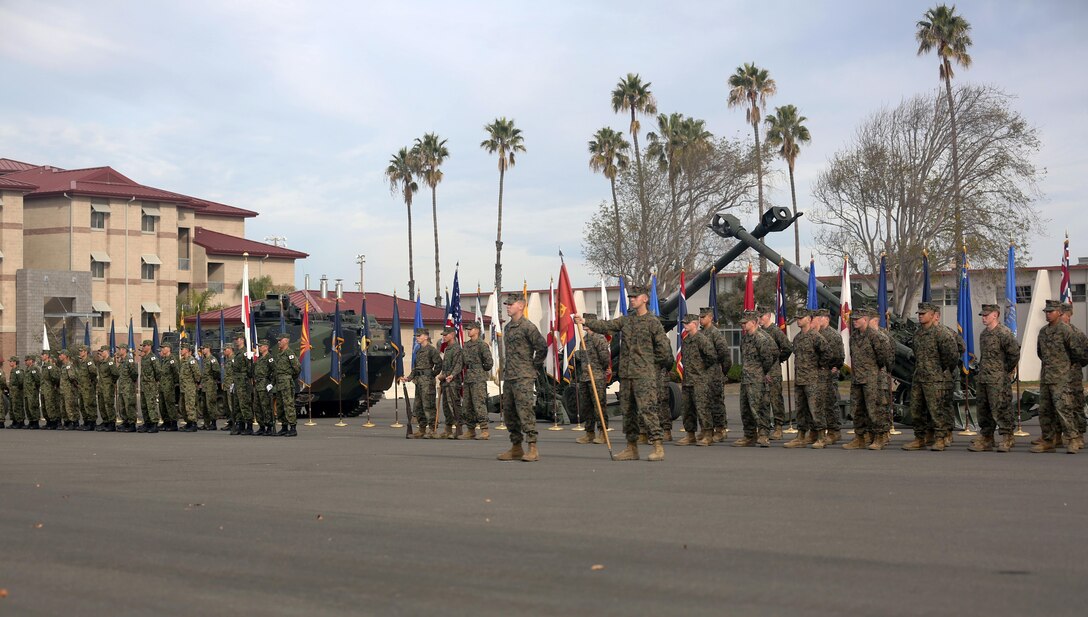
140	391
103	392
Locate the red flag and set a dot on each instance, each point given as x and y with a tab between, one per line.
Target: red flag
749	292
564	322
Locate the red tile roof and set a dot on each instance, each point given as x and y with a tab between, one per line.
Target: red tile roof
10	165
15	185
216	243
214	208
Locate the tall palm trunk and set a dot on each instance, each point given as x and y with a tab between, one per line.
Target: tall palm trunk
644	223
411	258
796	223
674	229
437	272
619	231
958	223
759	182
498	239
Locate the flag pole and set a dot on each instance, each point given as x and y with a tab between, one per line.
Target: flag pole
310	405
1020	432
596	399
396	395
408	416
396	408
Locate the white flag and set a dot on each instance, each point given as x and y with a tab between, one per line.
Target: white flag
45	339
496	334
845	308
246	313
605	313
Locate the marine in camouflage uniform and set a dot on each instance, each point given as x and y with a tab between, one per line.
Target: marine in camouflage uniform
127	372
263	384
699	359
999	354
935	356
86	374
868	401
189	378
286	371
716	378
478	364
15	393
32	381
426	363
598	356
168	376
451	380
1058	350
774	389
210	385
836	355
644	351
526	350
50	397
237	389
149	388
68	396
3	399
759	356
104	388
1076	375
809	351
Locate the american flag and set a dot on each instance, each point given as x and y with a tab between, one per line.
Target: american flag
1063	288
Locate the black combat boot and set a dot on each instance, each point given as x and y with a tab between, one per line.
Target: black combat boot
235	429
34	425
246	428
214	426
110	427
171	426
261	431
89	426
291	432
153	427
101	428
229	427
283	430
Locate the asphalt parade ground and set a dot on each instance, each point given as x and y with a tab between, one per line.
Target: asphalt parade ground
354	521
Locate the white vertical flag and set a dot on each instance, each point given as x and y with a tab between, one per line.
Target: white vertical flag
605	313
45	339
845	308
246	312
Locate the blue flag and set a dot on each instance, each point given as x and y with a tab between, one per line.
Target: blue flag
87	334
113	339
812	303
364	345
654	308
417	324
882	292
394	341
714	294
964	316
64	334
927	294
623	297
222	346
131	337
1010	290
154	334
335	343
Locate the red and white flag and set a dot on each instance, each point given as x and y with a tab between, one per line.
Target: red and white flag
845	304
246	311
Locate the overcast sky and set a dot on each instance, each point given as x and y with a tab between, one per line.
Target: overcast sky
293	109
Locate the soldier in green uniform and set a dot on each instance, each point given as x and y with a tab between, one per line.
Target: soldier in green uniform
50	380
15	393
934	357
1076	375
148	388
999	353
240	388
644	350
189	379
32	381
716	378
86	375
598	356
809	351
1058	350
759	356
868	356
525	353
425	365
451	380
168	376
3	399
885	374
209	388
263	384
699	358
478	363
106	376
286	370
774	389
68	395
836	354
127	372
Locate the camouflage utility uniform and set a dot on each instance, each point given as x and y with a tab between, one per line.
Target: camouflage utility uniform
107	378
999	354
425	365
833	359
526	350
32	382
128	372
1057	348
716	378
934	358
759	355
597	355
868	357
810	350
774	388
453	362
700	360
478	362
189	376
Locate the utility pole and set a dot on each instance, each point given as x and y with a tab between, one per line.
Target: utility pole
361	260
276	240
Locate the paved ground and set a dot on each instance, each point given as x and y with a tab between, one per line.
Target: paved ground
359	521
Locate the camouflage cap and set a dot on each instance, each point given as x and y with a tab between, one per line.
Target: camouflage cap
1067	307
264	342
706	310
64	352
30	357
422	332
747	316
802	312
765	310
927	307
512	298
279	337
638	290
146	341
822	312
858	313
81	348
690	318
589	315
183	346
471	325
166	345
123	346
989	308
1052	305
104	348
448	330
13	359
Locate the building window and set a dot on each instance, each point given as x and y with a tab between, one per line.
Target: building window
950	297
147	223
1023	294
98	320
98	269
98	220
147	271
183	248
147	320
1077	290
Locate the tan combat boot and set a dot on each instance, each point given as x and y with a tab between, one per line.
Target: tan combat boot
857	443
879	441
587	438
1038	440
446	434
819	443
948	439
419	432
719	435
939	444
812	437
982	443
643	439
668	434
428	432
659	452
457	432
777	434
630	453
484	435
469	433
744	442
833	436
532	455
930	438
1007	442
706	438
513	454
688	440
796	442
599	439
1076	444
762	440
1046	445
917	444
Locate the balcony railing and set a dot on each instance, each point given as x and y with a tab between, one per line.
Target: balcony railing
215	286
183	263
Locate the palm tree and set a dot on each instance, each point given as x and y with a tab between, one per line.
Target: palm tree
786	131
750	87
505	139
942	29
608	155
632	95
696	145
665	147
401	175
430	151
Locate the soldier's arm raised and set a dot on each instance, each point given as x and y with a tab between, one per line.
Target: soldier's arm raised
601	326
